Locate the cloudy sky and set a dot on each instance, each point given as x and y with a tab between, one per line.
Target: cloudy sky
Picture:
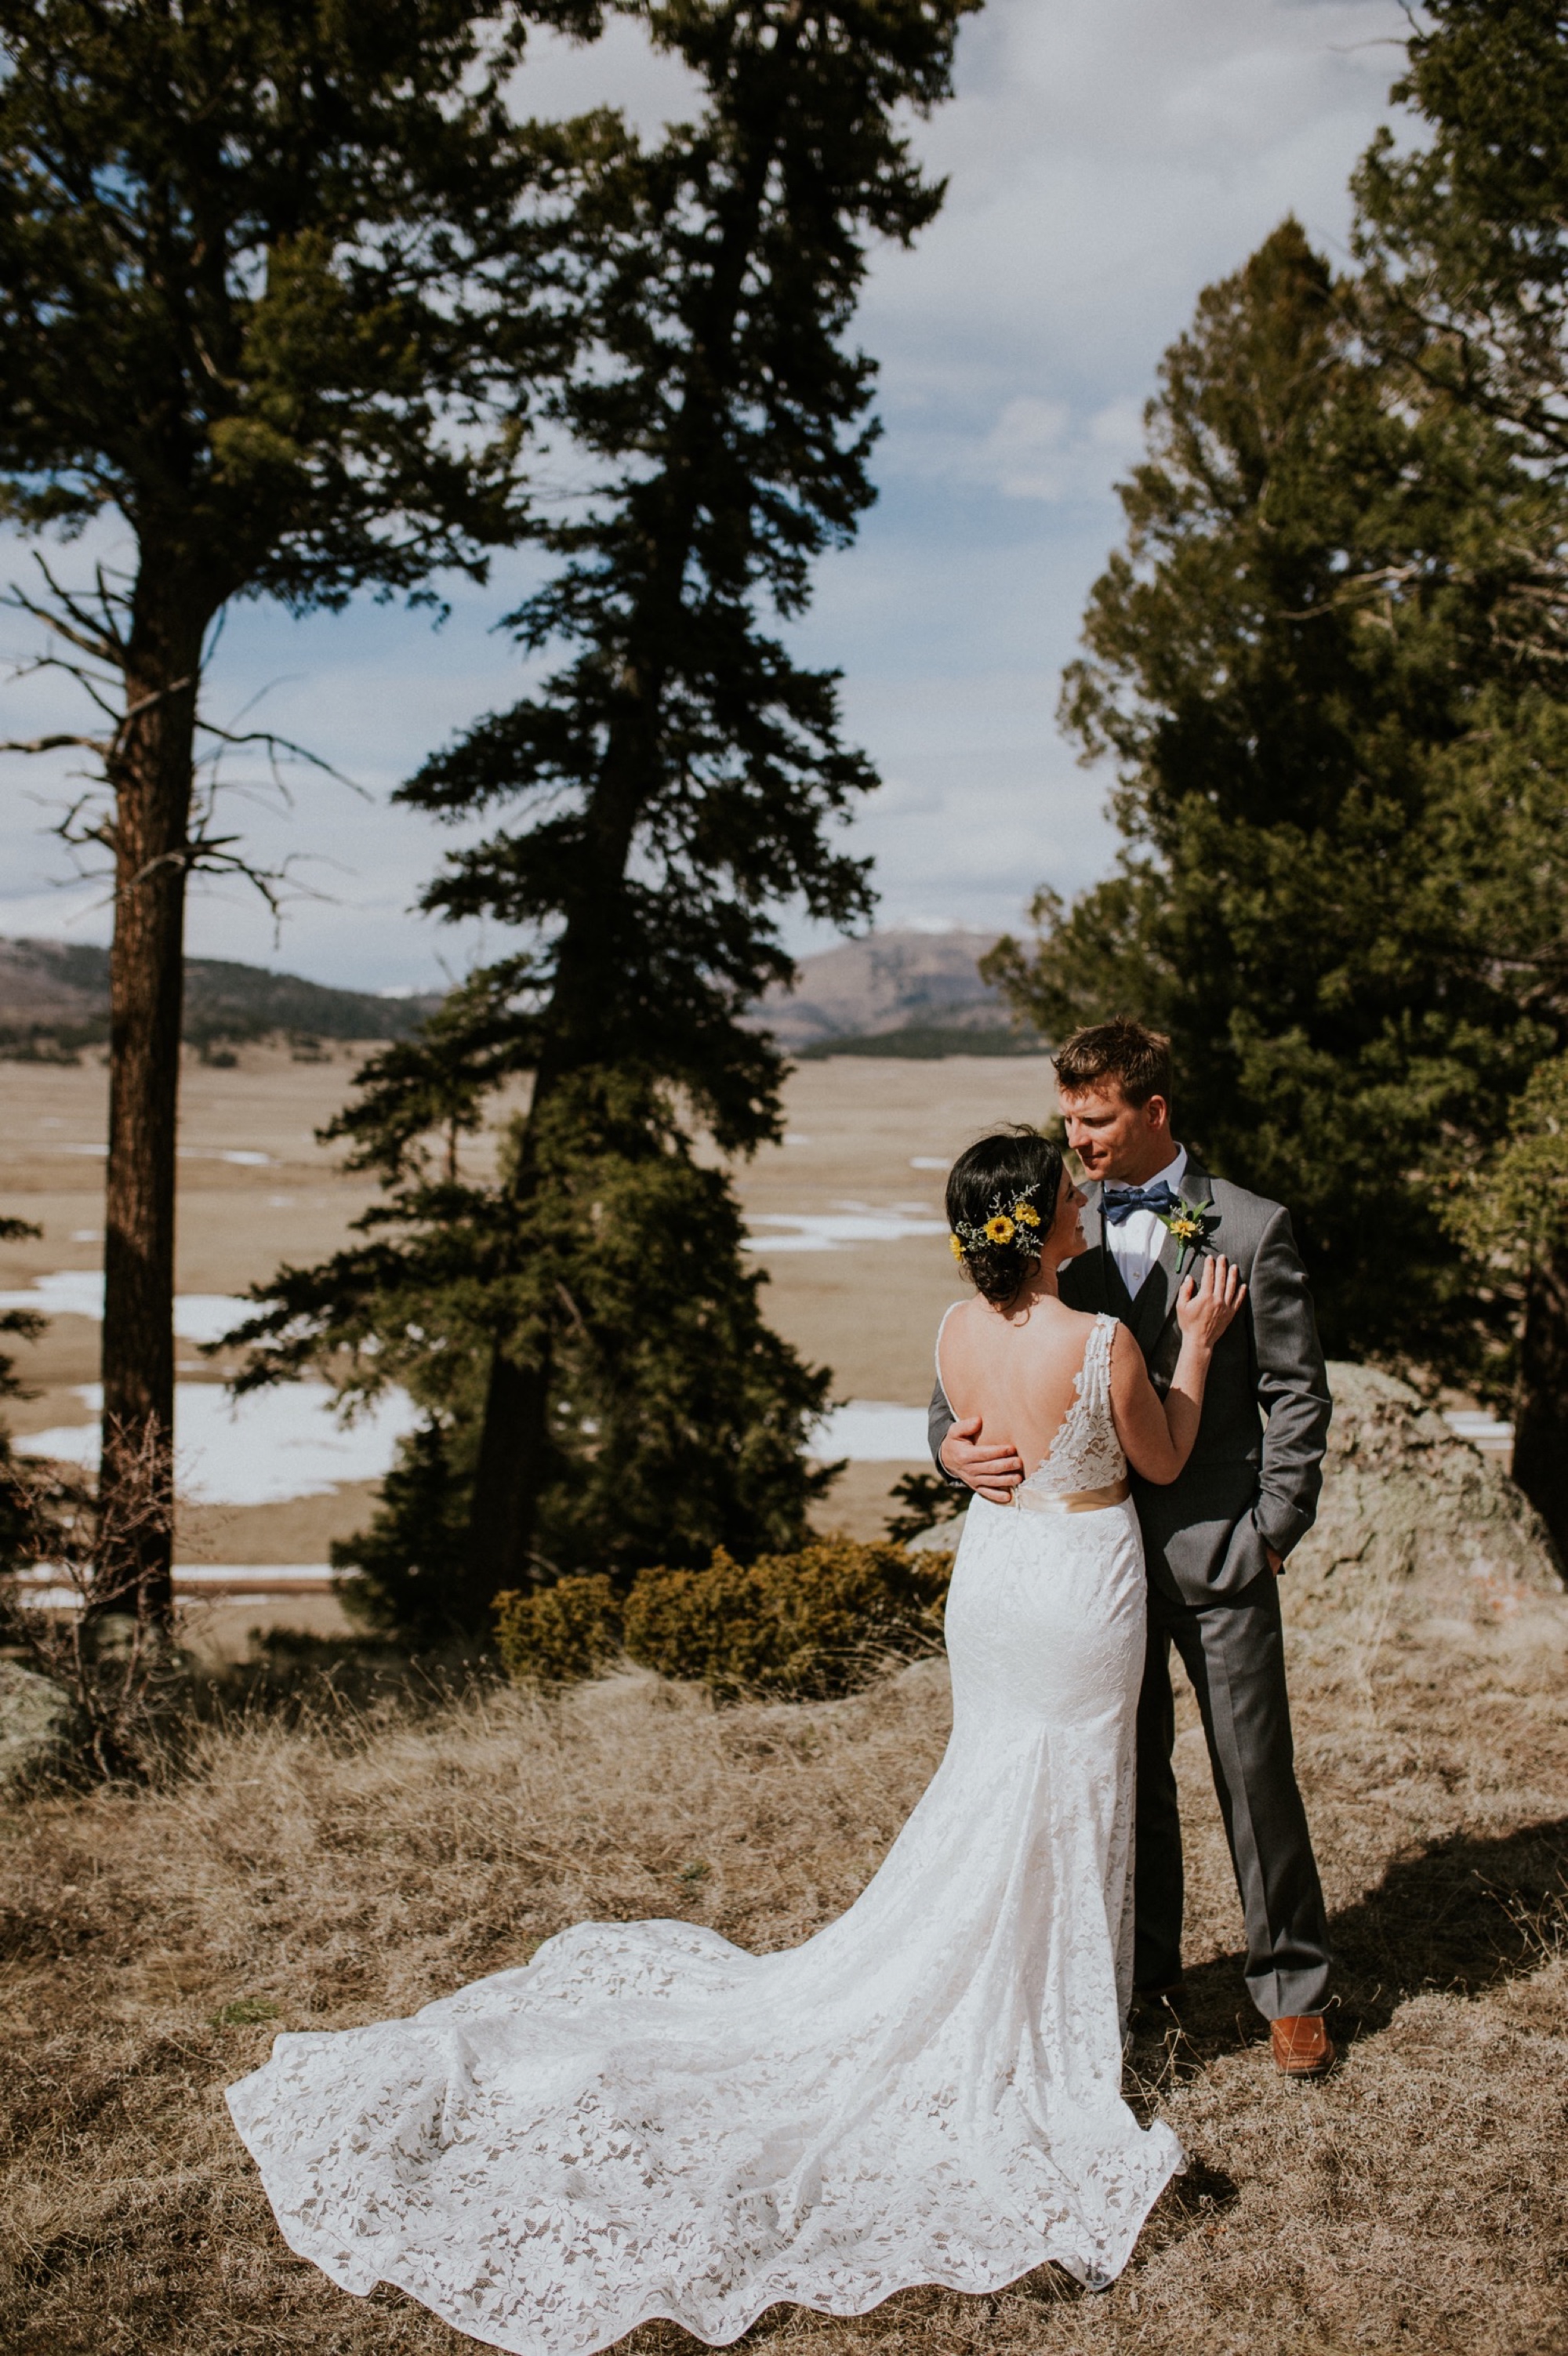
1107	158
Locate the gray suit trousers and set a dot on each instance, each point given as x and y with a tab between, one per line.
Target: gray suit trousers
1232	1650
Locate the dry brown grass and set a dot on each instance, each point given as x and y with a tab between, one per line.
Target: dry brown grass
358	1866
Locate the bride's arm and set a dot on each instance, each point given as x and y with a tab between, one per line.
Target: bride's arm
1158	1435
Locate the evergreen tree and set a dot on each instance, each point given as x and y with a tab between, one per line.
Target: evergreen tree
1336	776
1464	292
1513	1215
1461	238
669	786
676	1418
271	296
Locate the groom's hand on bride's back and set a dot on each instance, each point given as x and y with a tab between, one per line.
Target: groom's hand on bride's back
992	1472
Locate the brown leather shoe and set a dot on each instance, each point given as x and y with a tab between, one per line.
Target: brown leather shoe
1302	2046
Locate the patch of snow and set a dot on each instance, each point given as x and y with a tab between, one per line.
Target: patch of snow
258	1450
814	1231
1483	1430
266	1578
44	1584
871	1432
208	1316
246	1156
78	1292
69	1292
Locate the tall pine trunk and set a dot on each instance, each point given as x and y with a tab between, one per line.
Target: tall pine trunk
513	1461
1541	1416
152	777
509	1473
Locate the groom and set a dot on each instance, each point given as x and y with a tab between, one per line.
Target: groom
1215	1539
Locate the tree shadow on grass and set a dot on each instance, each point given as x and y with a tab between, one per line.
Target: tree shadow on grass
294	1679
1464	1915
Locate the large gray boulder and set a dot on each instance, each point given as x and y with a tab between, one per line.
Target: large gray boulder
1412	1516
1414	1512
38	1725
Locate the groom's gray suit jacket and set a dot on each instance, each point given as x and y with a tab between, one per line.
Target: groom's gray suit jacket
1253	1477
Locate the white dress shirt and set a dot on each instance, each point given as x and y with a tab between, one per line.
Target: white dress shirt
1135	1244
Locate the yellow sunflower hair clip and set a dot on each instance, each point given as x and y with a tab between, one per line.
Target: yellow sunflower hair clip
1015	1223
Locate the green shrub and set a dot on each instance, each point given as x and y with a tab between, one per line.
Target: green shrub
552	1635
806	1625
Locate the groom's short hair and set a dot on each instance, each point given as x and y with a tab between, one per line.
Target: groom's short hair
1136	1058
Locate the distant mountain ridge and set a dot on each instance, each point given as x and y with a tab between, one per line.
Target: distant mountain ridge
923	989
897	993
54	1000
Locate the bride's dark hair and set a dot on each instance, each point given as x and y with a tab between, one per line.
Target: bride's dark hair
988	1185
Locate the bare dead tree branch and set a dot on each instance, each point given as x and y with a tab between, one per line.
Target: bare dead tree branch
55	745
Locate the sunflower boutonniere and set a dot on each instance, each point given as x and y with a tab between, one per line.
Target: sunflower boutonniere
1192	1224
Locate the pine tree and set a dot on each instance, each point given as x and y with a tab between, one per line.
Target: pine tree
272	296
1513	1215
675	780
1464	292
676	1418
1336	778
1459	237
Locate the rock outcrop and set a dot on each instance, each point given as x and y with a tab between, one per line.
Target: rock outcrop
1414	1511
1412	1516
37	1725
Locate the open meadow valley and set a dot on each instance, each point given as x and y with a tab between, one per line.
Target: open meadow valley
371	1846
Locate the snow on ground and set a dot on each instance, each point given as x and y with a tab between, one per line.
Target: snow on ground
273	1445
820	1231
871	1432
260	1450
239	1583
78	1292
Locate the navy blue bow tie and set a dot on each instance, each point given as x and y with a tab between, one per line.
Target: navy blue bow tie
1118	1202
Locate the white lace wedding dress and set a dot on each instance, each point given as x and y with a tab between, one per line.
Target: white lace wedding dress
648	2120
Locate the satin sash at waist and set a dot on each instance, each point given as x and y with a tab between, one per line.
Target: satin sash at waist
1072	1500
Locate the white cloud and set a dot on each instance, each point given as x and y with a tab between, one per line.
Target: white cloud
1021	455
1106	159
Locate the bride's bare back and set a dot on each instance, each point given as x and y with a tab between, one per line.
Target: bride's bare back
1017	1369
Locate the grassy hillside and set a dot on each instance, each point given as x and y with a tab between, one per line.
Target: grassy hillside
360	1861
54	1001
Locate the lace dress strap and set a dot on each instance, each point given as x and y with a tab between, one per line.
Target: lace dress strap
937	1350
1095	1391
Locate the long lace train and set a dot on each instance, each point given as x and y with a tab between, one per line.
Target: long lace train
648	2120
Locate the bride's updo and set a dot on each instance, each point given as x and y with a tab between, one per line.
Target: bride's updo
1001	1206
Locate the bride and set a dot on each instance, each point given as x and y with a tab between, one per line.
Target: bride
647	2121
